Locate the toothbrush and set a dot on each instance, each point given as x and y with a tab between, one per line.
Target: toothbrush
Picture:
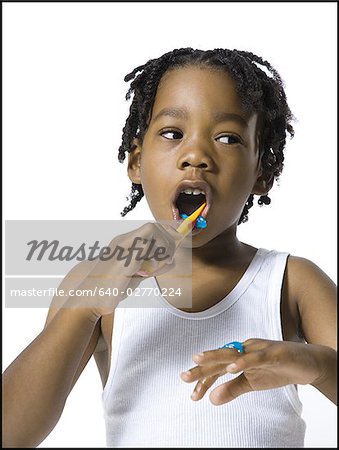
188	224
184	229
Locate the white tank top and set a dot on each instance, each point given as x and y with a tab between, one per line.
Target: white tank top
146	404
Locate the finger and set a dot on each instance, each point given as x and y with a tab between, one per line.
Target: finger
219	356
167	267
171	236
169	231
200	372
255	354
202	387
153	270
229	391
256	344
248	361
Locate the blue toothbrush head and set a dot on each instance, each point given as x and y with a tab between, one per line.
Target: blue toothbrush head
201	222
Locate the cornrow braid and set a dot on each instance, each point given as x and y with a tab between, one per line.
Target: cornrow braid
260	89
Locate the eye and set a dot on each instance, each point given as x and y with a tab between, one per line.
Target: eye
229	139
171	134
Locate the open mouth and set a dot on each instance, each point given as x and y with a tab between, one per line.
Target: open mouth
189	196
189	201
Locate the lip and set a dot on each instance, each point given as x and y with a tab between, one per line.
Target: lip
194	184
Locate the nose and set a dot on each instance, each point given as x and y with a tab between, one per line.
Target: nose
195	158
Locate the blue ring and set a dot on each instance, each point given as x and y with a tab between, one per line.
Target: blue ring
235	344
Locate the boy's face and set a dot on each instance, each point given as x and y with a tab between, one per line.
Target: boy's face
198	131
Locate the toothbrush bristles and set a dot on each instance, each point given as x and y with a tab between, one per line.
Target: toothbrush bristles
187	225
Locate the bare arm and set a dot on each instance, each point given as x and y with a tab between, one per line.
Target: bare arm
316	298
267	364
38	382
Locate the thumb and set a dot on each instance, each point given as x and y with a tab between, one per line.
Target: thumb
164	267
227	392
167	267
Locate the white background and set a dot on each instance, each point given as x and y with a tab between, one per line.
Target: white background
63	113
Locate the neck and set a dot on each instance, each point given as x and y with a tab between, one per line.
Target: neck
223	248
208	272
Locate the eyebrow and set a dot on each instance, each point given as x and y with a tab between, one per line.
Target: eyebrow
182	113
177	113
224	117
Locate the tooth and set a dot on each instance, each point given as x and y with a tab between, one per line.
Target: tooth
192	191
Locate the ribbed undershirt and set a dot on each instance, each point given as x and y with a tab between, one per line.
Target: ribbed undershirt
146	404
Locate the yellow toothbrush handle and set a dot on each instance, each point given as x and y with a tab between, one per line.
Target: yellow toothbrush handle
186	226
184	229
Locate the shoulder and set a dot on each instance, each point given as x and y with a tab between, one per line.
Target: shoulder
315	295
304	275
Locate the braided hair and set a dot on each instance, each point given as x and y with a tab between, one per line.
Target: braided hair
260	90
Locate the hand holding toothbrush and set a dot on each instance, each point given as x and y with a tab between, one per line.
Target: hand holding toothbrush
149	268
124	271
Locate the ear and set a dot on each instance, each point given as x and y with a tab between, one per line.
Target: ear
134	162
263	184
265	180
